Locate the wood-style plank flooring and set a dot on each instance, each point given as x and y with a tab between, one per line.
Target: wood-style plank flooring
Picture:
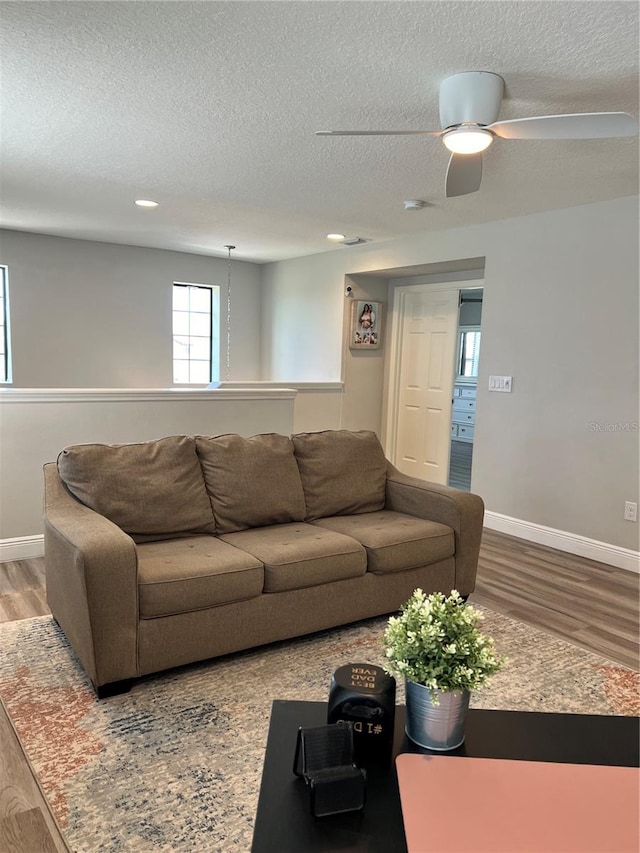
26	822
460	461
590	604
22	590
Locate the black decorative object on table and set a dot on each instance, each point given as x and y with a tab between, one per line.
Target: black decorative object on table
324	757
363	694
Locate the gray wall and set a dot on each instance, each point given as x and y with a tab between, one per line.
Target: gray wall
560	315
98	315
36	426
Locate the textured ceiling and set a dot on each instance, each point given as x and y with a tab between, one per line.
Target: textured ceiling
210	108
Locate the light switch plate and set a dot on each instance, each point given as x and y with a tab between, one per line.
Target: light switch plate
500	383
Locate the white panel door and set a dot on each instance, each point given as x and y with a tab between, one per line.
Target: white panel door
427	349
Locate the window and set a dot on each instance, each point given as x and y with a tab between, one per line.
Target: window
5	359
196	336
469	352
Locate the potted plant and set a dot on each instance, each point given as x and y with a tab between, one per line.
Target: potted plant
436	646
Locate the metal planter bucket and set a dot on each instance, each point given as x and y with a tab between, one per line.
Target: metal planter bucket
439	727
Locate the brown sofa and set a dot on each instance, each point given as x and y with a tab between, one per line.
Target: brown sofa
181	549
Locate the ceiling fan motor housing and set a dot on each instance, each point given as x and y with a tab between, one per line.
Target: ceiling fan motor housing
472	96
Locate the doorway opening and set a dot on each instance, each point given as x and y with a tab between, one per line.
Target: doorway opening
420	359
463	411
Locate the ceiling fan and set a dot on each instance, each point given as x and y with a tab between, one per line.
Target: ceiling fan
469	108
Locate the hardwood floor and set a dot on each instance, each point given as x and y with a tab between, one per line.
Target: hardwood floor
22	590
460	461
590	604
26	822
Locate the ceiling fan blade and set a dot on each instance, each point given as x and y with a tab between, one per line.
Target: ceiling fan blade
464	174
378	132
573	126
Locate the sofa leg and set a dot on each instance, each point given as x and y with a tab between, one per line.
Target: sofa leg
114	688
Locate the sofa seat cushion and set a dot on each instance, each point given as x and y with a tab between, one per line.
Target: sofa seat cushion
301	555
342	472
151	489
394	541
194	573
251	482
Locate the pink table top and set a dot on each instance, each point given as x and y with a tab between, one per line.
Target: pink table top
454	804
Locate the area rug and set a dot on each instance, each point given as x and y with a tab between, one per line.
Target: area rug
175	764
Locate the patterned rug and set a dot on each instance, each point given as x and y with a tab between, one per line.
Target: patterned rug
175	765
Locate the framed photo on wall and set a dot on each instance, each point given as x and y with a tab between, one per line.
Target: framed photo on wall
365	331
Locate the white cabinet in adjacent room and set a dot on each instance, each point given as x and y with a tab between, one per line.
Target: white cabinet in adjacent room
464	412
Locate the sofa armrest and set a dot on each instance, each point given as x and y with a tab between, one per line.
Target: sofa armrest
91	577
462	511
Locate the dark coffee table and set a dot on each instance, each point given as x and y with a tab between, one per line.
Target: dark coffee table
284	823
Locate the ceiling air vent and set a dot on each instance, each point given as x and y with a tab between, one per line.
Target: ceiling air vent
354	241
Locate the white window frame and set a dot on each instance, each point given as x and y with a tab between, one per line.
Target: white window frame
213	335
5	329
460	377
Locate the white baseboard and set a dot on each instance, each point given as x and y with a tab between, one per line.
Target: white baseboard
21	548
24	547
573	543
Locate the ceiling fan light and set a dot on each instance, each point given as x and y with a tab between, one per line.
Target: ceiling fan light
467	140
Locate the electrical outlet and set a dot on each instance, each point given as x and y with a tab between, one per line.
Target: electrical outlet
630	511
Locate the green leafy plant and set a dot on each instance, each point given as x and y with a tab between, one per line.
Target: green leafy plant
435	641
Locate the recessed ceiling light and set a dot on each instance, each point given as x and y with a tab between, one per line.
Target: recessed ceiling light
414	204
335	237
144	202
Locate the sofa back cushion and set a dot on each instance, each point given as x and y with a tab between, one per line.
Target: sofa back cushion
153	489
251	482
342	472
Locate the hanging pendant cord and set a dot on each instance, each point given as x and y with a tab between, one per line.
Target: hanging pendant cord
229	250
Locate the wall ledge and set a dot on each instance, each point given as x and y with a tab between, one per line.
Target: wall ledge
298	386
252	391
572	543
